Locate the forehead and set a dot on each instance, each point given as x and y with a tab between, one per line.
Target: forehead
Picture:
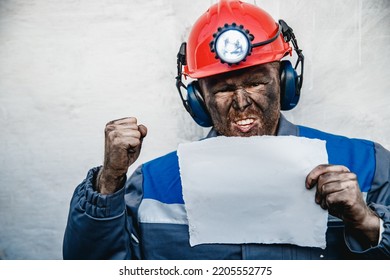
260	71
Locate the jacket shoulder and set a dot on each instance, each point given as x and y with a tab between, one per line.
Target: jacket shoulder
161	179
356	154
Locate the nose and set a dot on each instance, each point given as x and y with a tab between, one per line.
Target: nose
241	100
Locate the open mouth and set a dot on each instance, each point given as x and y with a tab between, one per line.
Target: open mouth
244	125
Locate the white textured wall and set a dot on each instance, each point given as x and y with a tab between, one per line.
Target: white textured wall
68	67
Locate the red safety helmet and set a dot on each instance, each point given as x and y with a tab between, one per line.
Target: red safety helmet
255	38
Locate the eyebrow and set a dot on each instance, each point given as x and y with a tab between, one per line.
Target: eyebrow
256	77
223	87
217	83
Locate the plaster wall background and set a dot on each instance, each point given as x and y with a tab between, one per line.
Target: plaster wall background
69	67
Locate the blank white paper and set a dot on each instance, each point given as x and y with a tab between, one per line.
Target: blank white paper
252	190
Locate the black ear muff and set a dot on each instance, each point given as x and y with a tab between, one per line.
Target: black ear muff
289	90
196	105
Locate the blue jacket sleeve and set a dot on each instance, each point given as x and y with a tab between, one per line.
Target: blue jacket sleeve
98	226
378	199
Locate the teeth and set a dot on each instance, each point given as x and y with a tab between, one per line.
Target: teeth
244	122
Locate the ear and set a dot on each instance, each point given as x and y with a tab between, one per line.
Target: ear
197	106
289	91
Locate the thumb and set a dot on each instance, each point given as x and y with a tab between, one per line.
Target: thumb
136	150
143	130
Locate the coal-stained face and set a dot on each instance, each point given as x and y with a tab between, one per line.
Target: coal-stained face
245	102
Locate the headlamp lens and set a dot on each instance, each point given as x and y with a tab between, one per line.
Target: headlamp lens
232	46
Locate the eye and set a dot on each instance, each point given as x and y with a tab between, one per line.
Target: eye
258	81
224	90
256	86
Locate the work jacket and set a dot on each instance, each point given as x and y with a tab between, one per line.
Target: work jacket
146	219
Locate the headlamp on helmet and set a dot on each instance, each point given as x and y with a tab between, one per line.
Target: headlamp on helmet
232	43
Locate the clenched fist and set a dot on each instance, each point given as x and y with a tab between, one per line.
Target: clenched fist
123	141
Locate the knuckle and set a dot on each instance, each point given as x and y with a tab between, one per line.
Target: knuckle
129	121
133	119
322	179
349	186
353	176
137	134
109	127
329	199
135	142
322	189
116	141
113	134
348	203
346	185
110	123
323	167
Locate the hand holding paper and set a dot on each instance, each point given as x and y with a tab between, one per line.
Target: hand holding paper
338	191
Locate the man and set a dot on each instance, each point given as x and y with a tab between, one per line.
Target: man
234	52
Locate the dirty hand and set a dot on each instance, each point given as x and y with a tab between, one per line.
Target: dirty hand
337	190
123	141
